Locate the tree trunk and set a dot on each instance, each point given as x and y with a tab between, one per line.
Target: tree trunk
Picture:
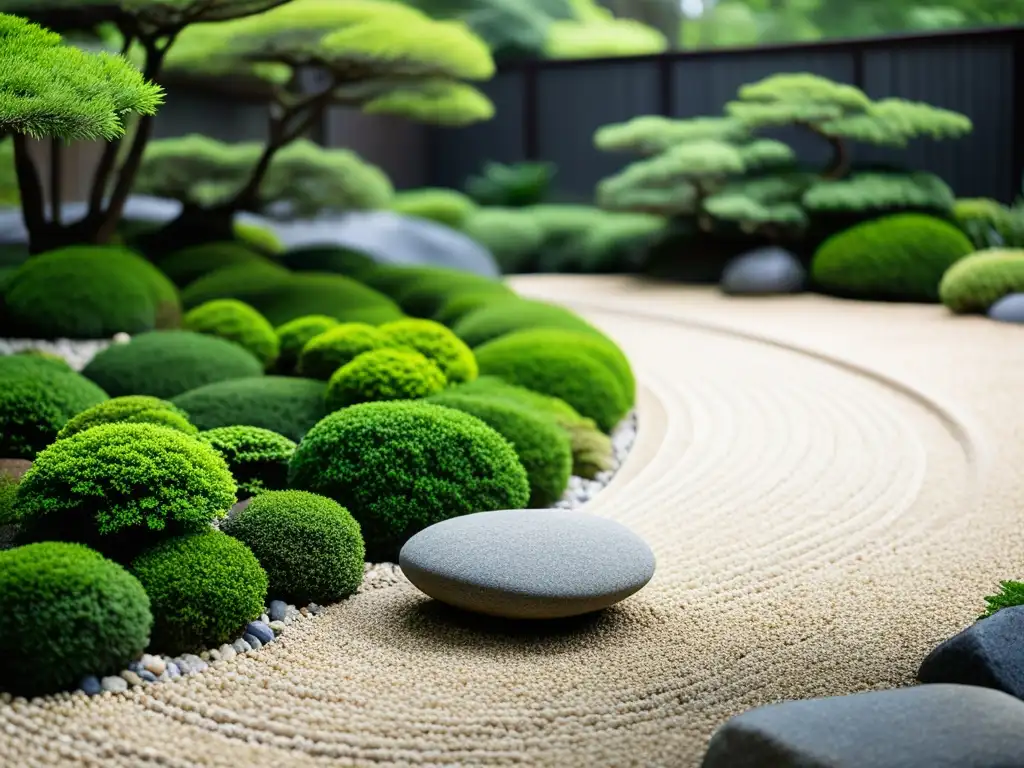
839	164
194	226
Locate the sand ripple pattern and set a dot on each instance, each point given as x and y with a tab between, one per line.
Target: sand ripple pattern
816	529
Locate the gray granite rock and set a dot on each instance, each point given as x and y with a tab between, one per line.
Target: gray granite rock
260	631
989	653
764	271
1009	309
528	563
278	610
928	726
114	684
91	685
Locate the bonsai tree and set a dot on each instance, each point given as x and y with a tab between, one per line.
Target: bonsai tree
306	178
380	57
147	28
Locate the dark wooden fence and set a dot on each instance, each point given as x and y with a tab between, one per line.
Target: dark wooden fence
549	110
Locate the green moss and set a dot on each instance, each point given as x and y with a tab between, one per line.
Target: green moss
8	489
69	613
901	257
504	317
236	321
259	238
542	447
570	373
461	304
431	290
134	409
399	467
513	235
437	343
445	206
384	374
337	346
327	258
288	406
189	264
117	487
1010	593
165	364
204	588
223	283
310	546
978	281
52	356
90	292
37	398
257	458
296	334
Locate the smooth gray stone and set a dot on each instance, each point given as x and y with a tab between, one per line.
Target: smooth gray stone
928	726
528	563
1009	309
764	271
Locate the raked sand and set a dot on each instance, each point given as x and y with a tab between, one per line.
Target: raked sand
830	489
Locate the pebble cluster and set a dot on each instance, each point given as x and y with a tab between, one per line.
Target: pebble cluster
581	490
76	352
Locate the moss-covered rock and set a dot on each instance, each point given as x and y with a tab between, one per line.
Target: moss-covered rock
445	206
134	409
978	281
236	321
504	317
296	334
436	343
337	346
257	458
384	374
333	259
189	264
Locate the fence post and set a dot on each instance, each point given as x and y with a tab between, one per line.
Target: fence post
1017	150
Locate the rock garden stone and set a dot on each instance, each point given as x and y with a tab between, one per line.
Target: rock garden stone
114	684
928	726
91	686
989	653
15	468
260	631
225	652
277	626
278	610
241	646
764	271
132	678
1009	309
148	676
528	563
252	641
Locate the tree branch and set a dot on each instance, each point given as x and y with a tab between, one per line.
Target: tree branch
101	179
29	187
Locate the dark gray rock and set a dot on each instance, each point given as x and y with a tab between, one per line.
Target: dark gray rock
764	271
1009	309
528	563
928	726
91	685
990	653
147	675
278	610
173	671
260	631
252	640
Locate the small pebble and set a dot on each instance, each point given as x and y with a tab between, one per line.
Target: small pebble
136	666
91	685
114	684
212	655
240	646
260	631
131	678
173	670
315	609
277	626
253	642
264	618
226	652
278	610
148	676
304	611
154	664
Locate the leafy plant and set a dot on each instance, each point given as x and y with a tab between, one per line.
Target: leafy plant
511	186
1010	593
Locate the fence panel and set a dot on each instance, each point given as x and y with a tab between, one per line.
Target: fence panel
573	102
212	114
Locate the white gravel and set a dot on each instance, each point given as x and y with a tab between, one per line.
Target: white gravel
581	490
77	352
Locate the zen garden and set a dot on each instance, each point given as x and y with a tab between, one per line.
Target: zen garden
299	465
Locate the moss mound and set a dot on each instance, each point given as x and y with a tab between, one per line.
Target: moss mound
134	409
461	304
901	257
399	467
504	317
165	364
257	458
432	290
978	281
189	264
296	334
89	292
288	406
513	235
236	321
51	356
117	487
204	588
327	258
310	546
37	398
69	613
337	346
542	447
436	343
445	206
260	239
8	490
384	374
224	282
571	374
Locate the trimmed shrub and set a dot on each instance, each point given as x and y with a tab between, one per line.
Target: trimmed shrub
504	317
399	467
445	206
222	283
542	447
384	374
335	347
89	292
8	490
513	235
436	343
327	258
461	304
421	290
978	281
296	334
133	409
310	546
236	321
571	374
69	612
204	588
900	257
617	243
51	356
288	406
189	264
261	239
257	458
165	364
118	486
37	398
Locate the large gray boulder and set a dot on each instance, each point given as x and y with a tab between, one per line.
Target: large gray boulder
928	726
764	271
138	207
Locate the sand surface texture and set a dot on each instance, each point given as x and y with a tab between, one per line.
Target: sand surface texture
830	489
